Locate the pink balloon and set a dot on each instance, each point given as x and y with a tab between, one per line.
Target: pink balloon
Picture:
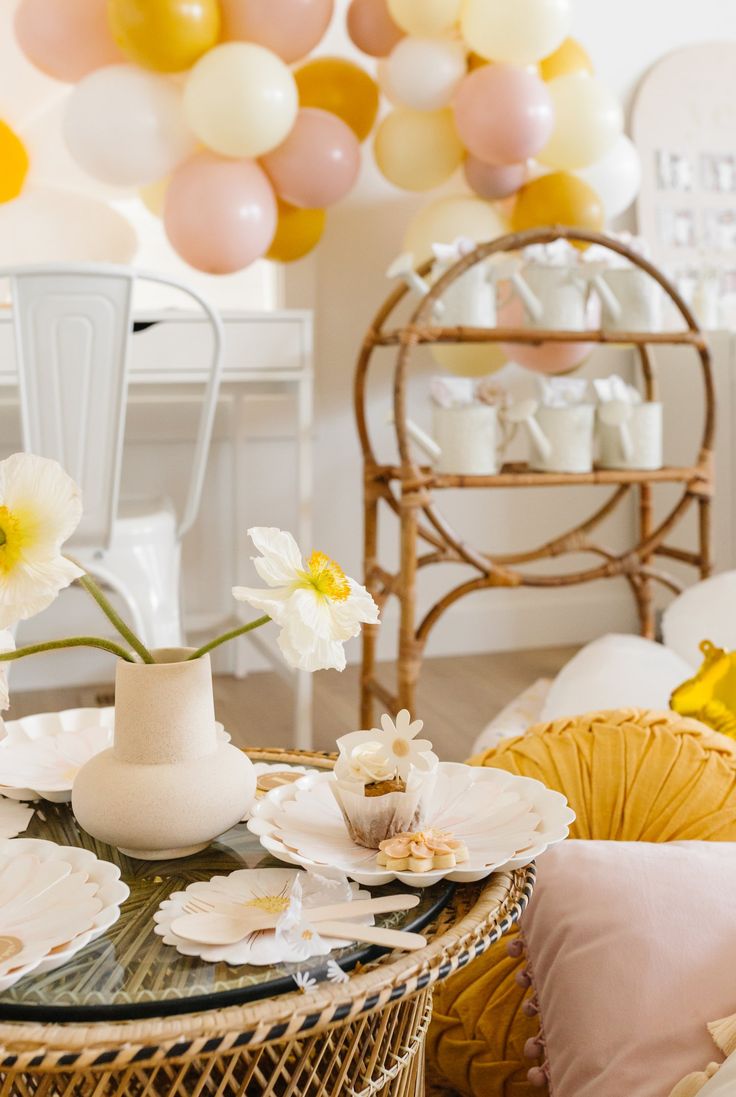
493	181
548	358
219	215
66	39
503	114
371	27
291	28
317	164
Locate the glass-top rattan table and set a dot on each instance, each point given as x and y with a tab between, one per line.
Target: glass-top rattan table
130	1016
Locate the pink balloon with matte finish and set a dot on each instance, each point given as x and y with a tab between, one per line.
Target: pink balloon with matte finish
220	215
66	39
503	114
371	27
493	181
317	164
291	28
549	358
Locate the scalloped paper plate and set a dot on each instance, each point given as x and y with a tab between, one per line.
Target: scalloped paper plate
54	900
41	755
506	821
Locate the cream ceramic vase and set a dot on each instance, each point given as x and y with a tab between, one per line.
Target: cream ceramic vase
169	784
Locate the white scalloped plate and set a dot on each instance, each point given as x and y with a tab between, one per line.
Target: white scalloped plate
506	821
41	755
99	900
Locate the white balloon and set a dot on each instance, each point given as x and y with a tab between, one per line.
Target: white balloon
423	73
56	225
616	177
126	126
702	612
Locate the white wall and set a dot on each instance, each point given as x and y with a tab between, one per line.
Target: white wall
345	284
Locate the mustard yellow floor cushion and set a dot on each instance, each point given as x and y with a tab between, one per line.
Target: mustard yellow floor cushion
629	775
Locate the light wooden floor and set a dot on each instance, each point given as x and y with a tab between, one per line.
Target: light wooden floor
457	698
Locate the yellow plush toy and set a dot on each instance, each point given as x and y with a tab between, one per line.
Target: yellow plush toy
710	696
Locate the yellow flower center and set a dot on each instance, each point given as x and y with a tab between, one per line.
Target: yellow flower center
326	577
11	540
271	904
400	747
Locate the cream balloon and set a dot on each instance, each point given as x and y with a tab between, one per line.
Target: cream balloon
445	219
126	126
418	150
616	177
240	99
518	31
424	73
588	122
47	225
153	196
425	17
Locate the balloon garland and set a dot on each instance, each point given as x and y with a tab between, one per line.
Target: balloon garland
213	111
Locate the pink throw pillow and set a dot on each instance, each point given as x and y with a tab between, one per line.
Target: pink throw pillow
631	947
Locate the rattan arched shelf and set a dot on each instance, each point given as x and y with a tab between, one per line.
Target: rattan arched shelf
409	490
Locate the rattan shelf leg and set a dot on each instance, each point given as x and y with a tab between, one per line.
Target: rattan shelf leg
370	632
410	658
643	586
705	528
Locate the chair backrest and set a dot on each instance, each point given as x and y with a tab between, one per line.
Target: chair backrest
72	324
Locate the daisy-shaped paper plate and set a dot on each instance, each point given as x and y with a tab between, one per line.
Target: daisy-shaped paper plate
504	820
54	900
41	755
269	889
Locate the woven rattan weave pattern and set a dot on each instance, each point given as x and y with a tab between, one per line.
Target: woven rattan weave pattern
362	1037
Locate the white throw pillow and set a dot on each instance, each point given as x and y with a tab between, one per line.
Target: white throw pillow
703	612
616	671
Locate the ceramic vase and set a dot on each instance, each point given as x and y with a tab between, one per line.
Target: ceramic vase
169	784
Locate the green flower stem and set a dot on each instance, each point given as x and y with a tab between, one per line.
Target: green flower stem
71	642
127	634
227	636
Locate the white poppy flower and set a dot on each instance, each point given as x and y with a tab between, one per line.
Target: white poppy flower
6	644
316	604
40	507
397	742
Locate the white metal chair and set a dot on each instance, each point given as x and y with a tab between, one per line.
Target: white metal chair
72	324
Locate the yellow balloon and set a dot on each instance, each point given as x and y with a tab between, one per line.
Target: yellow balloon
469	359
425	17
557	199
297	233
240	100
154	194
517	31
13	163
342	88
588	122
418	149
567	58
442	221
710	696
165	35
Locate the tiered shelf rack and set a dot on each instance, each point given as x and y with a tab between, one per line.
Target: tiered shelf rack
410	490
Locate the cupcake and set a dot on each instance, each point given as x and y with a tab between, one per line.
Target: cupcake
384	779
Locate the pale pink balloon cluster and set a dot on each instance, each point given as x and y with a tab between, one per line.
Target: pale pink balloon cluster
222	130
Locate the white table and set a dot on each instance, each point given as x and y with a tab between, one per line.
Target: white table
267	360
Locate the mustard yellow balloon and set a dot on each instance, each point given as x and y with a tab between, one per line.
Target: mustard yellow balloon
417	149
14	163
567	58
588	122
442	221
342	88
298	232
165	35
469	359
425	17
153	196
557	199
